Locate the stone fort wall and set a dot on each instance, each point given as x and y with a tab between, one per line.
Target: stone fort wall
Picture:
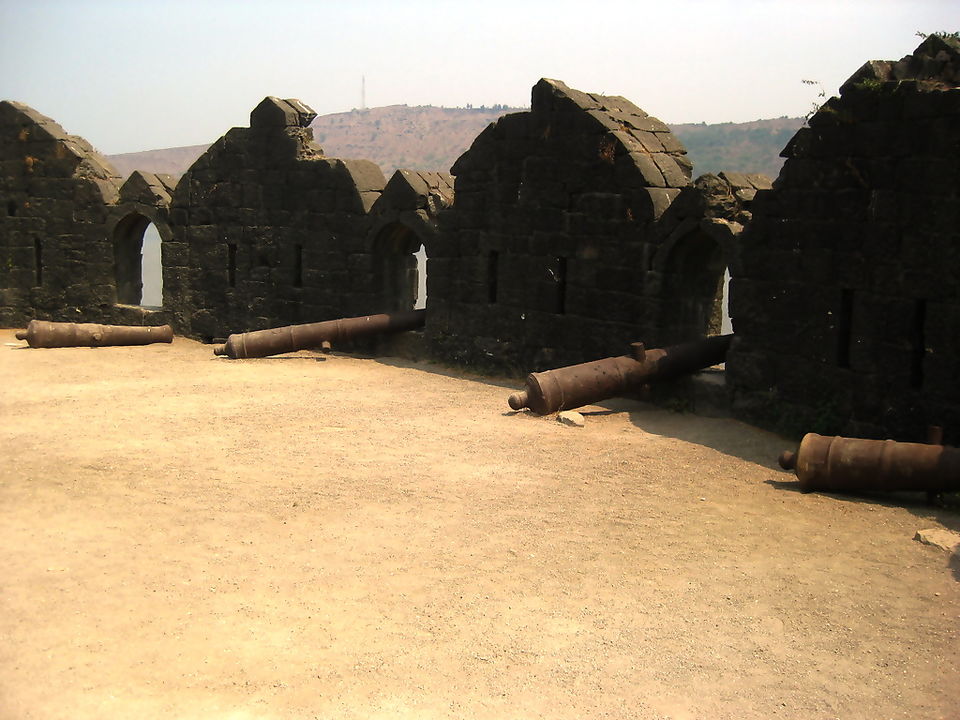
847	309
563	234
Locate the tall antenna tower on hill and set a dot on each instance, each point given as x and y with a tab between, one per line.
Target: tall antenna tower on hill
363	92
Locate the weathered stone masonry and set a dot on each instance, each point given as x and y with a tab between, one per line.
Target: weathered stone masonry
847	311
567	232
68	224
267	231
55	254
550	253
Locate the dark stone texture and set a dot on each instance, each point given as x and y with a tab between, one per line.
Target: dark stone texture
54	252
273	231
849	279
557	214
568	232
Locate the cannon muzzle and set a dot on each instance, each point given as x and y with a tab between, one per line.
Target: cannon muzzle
44	334
263	343
571	387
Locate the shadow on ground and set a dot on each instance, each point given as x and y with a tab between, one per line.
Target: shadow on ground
748	443
509	384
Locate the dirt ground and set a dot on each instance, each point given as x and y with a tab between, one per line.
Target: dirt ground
185	536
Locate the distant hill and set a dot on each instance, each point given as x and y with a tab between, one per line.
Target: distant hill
738	147
398	136
173	161
432	138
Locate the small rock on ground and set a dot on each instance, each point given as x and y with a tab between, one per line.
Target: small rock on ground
569	417
939	537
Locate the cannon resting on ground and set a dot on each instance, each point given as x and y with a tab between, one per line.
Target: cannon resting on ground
262	343
44	334
571	387
857	465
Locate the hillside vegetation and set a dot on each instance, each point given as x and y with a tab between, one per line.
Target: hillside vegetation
432	138
738	147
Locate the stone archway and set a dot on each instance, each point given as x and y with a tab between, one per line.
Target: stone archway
138	270
401	268
693	297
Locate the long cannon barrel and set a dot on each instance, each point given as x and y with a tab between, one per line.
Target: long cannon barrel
262	343
577	385
45	334
857	465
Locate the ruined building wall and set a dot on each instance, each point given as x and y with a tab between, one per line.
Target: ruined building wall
576	231
697	242
848	306
403	222
549	236
56	259
144	200
267	231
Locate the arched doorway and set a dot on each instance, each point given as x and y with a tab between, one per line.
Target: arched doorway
138	267
401	267
421	257
695	283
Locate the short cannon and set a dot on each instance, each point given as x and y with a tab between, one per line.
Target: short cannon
573	386
290	338
46	334
858	465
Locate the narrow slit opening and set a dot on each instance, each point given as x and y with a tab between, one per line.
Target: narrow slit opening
232	264
493	272
38	260
918	343
561	285
298	265
845	329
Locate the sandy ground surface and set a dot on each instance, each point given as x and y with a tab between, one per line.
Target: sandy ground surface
185	536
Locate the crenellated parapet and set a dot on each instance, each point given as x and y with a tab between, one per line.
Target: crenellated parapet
563	234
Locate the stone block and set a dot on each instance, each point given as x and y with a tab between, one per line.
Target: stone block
672	173
606	120
572	418
671	143
362	175
638	168
273	112
549	96
651	203
940	538
648	123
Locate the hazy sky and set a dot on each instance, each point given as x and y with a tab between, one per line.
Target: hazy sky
138	74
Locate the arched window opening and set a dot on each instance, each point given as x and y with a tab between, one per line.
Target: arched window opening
137	262
726	324
696	282
401	268
421	301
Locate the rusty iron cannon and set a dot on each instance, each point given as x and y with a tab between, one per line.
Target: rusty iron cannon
571	387
45	334
262	343
857	465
